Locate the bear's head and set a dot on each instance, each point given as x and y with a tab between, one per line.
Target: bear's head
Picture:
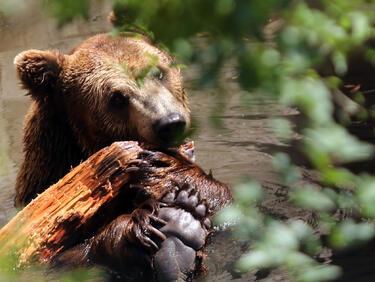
110	89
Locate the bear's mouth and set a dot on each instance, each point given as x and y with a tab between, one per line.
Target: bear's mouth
187	149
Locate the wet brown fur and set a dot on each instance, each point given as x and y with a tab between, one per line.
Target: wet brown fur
69	119
166	172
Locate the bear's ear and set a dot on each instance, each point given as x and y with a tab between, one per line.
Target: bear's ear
39	70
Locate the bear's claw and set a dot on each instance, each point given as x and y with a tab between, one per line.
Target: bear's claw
143	228
143	217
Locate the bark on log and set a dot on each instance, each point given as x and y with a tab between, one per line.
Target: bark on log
62	214
42	227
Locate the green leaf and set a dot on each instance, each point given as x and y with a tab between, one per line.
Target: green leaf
339	62
248	193
349	233
66	10
282	129
297	260
229	214
311	198
281	236
256	259
335	141
183	48
290	173
319	273
224	7
311	96
338	177
361	27
366	197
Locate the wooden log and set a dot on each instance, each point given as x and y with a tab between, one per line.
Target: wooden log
64	213
41	229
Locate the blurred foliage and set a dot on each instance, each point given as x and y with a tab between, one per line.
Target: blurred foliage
10	271
282	49
297	52
66	10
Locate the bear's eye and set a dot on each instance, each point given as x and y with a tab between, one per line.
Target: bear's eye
159	74
118	100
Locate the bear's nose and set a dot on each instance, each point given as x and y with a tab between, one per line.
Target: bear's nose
170	128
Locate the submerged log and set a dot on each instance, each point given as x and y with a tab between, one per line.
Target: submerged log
62	214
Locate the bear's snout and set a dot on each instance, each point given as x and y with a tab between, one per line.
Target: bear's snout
170	128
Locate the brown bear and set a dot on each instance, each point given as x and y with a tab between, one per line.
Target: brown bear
107	89
110	89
